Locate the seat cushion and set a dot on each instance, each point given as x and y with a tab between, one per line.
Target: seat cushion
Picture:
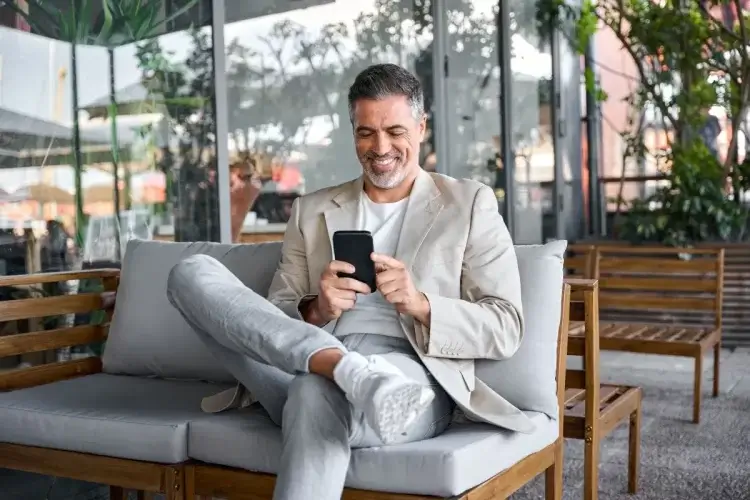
148	337
464	456
117	416
528	378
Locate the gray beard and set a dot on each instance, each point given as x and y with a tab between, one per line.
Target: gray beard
387	180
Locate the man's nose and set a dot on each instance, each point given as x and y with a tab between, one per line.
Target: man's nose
382	145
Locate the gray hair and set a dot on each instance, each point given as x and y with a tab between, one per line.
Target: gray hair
385	80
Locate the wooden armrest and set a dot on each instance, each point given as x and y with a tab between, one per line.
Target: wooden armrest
580	284
39	278
44	340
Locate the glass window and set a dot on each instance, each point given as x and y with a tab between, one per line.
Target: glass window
533	131
472	113
108	122
288	73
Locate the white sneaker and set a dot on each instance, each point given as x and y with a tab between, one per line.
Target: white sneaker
390	401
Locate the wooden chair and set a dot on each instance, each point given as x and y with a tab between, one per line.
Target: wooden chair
593	411
676	296
206	480
120	473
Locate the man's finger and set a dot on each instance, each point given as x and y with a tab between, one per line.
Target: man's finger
388	287
337	266
352	285
386	260
343	304
387	276
343	293
396	297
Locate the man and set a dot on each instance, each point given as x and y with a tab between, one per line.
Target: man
338	367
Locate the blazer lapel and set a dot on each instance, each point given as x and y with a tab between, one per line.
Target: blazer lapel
424	206
343	215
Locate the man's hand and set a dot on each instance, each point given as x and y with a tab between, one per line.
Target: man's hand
394	282
337	294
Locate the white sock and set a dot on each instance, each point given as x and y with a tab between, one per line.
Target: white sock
346	368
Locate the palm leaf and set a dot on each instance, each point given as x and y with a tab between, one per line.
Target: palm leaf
120	21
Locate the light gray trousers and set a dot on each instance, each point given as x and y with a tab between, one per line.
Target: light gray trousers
268	353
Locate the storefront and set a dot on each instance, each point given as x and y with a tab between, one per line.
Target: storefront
268	80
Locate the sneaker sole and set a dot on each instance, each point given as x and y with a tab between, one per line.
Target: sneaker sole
400	409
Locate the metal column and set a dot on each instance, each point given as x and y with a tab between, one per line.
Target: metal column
221	112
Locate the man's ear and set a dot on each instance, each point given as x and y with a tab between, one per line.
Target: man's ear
422	128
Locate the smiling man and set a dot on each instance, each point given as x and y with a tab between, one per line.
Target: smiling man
339	367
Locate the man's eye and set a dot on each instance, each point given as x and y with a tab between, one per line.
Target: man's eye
398	133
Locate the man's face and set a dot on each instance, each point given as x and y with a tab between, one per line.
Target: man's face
387	138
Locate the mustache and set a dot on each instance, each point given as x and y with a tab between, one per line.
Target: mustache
372	155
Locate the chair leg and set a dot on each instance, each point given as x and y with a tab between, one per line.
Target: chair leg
116	493
634	450
591	465
553	476
697	388
717	362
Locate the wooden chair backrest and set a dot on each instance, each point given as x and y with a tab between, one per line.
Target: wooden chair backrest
562	352
660	279
581	261
584	307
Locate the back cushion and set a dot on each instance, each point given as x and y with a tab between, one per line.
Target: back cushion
527	379
148	337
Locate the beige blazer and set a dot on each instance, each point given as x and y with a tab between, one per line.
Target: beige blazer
461	257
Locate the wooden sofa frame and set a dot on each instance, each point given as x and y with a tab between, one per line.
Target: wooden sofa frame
683	284
593	410
185	481
119	474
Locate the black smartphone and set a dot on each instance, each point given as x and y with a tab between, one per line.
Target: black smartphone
355	248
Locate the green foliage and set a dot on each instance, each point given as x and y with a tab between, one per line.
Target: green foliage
687	59
693	207
118	23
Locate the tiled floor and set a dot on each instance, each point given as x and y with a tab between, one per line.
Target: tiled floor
679	460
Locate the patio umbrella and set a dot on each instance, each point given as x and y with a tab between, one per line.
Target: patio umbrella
28	141
40	193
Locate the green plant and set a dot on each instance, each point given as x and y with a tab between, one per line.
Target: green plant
692	207
687	59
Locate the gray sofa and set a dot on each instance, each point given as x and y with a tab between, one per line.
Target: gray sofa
145	403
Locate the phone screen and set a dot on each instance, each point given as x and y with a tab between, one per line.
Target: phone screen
355	248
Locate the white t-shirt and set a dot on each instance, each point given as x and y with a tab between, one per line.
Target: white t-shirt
372	314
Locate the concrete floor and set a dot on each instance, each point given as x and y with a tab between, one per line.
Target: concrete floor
679	460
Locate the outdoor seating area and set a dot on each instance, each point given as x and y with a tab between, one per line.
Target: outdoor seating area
70	419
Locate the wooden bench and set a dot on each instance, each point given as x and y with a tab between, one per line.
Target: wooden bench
593	411
658	300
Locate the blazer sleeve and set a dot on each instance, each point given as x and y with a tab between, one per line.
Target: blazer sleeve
291	285
487	321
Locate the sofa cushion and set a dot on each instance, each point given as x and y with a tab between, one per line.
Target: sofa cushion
117	416
464	456
527	379
148	337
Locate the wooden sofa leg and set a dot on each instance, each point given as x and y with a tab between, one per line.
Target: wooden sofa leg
634	450
717	357
174	487
116	493
553	476
697	388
